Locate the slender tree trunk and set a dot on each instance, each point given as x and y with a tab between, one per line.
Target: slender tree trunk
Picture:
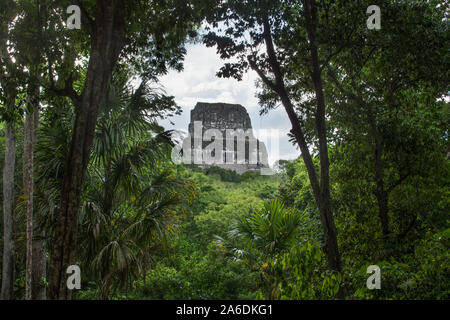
321	190
324	203
380	191
326	214
8	212
107	41
39	254
383	210
35	253
325	197
28	172
39	271
39	267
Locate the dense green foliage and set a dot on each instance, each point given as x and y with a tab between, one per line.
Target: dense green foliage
197	261
370	113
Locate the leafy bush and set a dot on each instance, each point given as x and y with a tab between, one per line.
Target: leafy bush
164	283
300	274
194	275
424	275
224	174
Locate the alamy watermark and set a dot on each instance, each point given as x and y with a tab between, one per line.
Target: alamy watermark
74	280
74	20
374	281
373	22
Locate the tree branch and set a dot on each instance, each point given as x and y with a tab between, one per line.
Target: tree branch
261	74
332	75
408	229
67	91
398	182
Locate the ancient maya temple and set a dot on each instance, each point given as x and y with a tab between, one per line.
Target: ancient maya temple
221	134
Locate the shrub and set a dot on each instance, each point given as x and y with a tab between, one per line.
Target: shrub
300	274
426	275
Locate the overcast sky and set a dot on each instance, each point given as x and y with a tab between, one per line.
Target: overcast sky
198	83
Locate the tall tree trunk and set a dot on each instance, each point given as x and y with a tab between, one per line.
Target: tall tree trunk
39	271
324	198
28	172
35	252
324	203
8	212
107	41
325	209
321	190
39	254
381	193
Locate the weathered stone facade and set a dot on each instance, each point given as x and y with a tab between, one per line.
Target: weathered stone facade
232	124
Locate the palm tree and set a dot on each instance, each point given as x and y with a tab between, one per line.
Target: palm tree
132	195
266	232
261	237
